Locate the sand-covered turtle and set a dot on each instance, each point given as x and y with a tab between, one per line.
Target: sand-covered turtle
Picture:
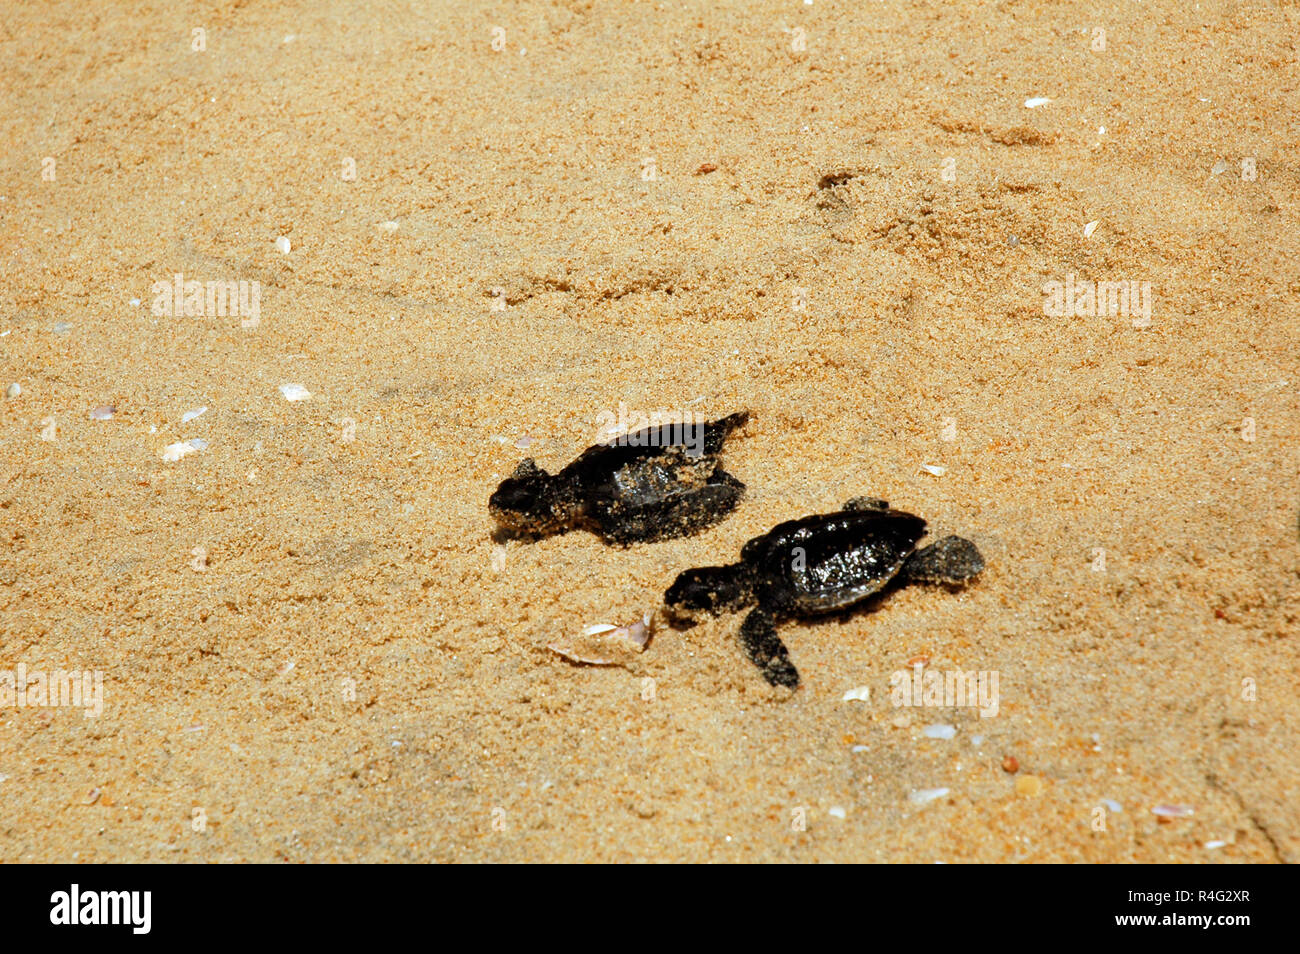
659	482
825	563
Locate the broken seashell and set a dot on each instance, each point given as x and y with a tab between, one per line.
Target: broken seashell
294	392
581	660
604	644
638	633
174	452
924	796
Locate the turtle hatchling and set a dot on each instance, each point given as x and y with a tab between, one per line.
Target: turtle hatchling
659	482
817	565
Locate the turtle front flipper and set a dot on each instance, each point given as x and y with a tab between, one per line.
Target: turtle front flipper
764	648
951	560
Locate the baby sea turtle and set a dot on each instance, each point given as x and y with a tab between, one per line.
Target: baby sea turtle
816	565
655	483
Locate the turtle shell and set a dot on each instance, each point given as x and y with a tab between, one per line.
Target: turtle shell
828	562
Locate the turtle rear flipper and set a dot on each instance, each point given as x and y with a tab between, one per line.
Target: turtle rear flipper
950	560
766	651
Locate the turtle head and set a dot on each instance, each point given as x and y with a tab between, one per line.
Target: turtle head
527	501
711	590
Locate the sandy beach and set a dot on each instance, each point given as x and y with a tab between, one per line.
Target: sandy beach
288	289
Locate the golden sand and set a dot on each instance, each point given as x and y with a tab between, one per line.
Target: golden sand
840	216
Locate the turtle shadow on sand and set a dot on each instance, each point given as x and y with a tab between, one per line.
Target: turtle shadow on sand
822	566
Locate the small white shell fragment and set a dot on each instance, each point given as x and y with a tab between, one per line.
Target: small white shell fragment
1211	845
174	452
939	731
977	740
923	796
937	469
1112	805
1034	102
284	245
1090	228
294	392
1220	168
597	628
198	443
860	694
1173	811
861	748
13	390
389	226
836	811
104	412
191	415
134	303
